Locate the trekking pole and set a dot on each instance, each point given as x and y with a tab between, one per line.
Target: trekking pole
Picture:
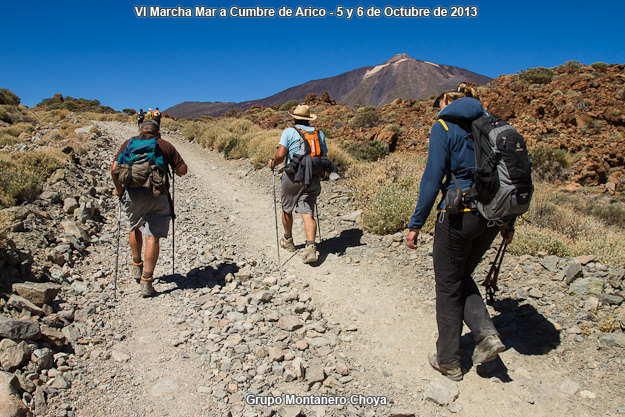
173	223
318	225
119	221
491	278
275	212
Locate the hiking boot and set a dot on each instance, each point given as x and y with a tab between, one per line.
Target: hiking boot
488	349
147	290
137	271
455	374
287	244
310	254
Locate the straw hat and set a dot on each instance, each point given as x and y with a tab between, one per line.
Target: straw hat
302	112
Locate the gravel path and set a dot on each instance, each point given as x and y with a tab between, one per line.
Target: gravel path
358	325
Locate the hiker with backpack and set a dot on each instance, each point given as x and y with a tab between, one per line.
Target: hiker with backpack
303	147
140	174
140	118
156	116
467	222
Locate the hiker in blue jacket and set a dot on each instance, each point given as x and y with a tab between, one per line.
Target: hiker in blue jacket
460	240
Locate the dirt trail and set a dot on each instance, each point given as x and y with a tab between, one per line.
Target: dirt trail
386	305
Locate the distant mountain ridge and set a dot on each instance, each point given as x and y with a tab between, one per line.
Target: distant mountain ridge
399	77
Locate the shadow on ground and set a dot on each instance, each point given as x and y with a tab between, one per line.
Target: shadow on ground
205	277
337	245
522	328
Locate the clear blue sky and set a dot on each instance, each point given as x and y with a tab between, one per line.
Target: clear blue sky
100	50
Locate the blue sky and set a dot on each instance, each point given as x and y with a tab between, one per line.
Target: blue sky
101	50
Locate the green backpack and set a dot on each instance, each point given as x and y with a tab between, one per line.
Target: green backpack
141	164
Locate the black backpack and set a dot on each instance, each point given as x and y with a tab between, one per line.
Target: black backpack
503	176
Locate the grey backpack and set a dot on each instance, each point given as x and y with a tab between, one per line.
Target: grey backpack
503	176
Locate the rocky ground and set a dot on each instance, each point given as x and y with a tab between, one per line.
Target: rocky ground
229	330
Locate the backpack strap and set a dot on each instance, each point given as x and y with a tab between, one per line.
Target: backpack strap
304	145
444	124
463	123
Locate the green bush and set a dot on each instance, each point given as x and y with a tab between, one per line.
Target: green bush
130	111
8	97
392	128
288	105
538	75
599	65
568	65
234	112
389	211
368	151
326	132
71	106
365	118
550	164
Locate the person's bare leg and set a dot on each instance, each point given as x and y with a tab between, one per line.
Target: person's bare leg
310	227
151	254
136	243
287	223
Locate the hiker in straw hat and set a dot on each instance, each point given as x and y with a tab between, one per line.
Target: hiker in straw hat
296	141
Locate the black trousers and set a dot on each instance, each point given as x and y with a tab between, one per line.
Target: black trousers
460	241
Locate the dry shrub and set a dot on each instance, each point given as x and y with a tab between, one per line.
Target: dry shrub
170	124
95	130
565	225
208	135
341	159
223	139
404	169
23	173
15	114
53	116
388	190
16	129
108	117
263	152
191	130
530	240
609	325
389	210
251	143
7	140
238	126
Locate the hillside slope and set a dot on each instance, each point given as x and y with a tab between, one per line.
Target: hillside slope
399	77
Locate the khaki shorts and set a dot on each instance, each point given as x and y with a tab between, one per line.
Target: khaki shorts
298	197
150	214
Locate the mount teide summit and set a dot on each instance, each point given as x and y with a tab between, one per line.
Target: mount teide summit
399	77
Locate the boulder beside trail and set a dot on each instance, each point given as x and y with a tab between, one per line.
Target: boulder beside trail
10	404
19	329
38	293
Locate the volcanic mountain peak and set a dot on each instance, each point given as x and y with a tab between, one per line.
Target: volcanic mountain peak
399	77
397	59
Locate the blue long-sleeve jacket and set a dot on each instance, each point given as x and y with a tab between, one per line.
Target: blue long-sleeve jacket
449	151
